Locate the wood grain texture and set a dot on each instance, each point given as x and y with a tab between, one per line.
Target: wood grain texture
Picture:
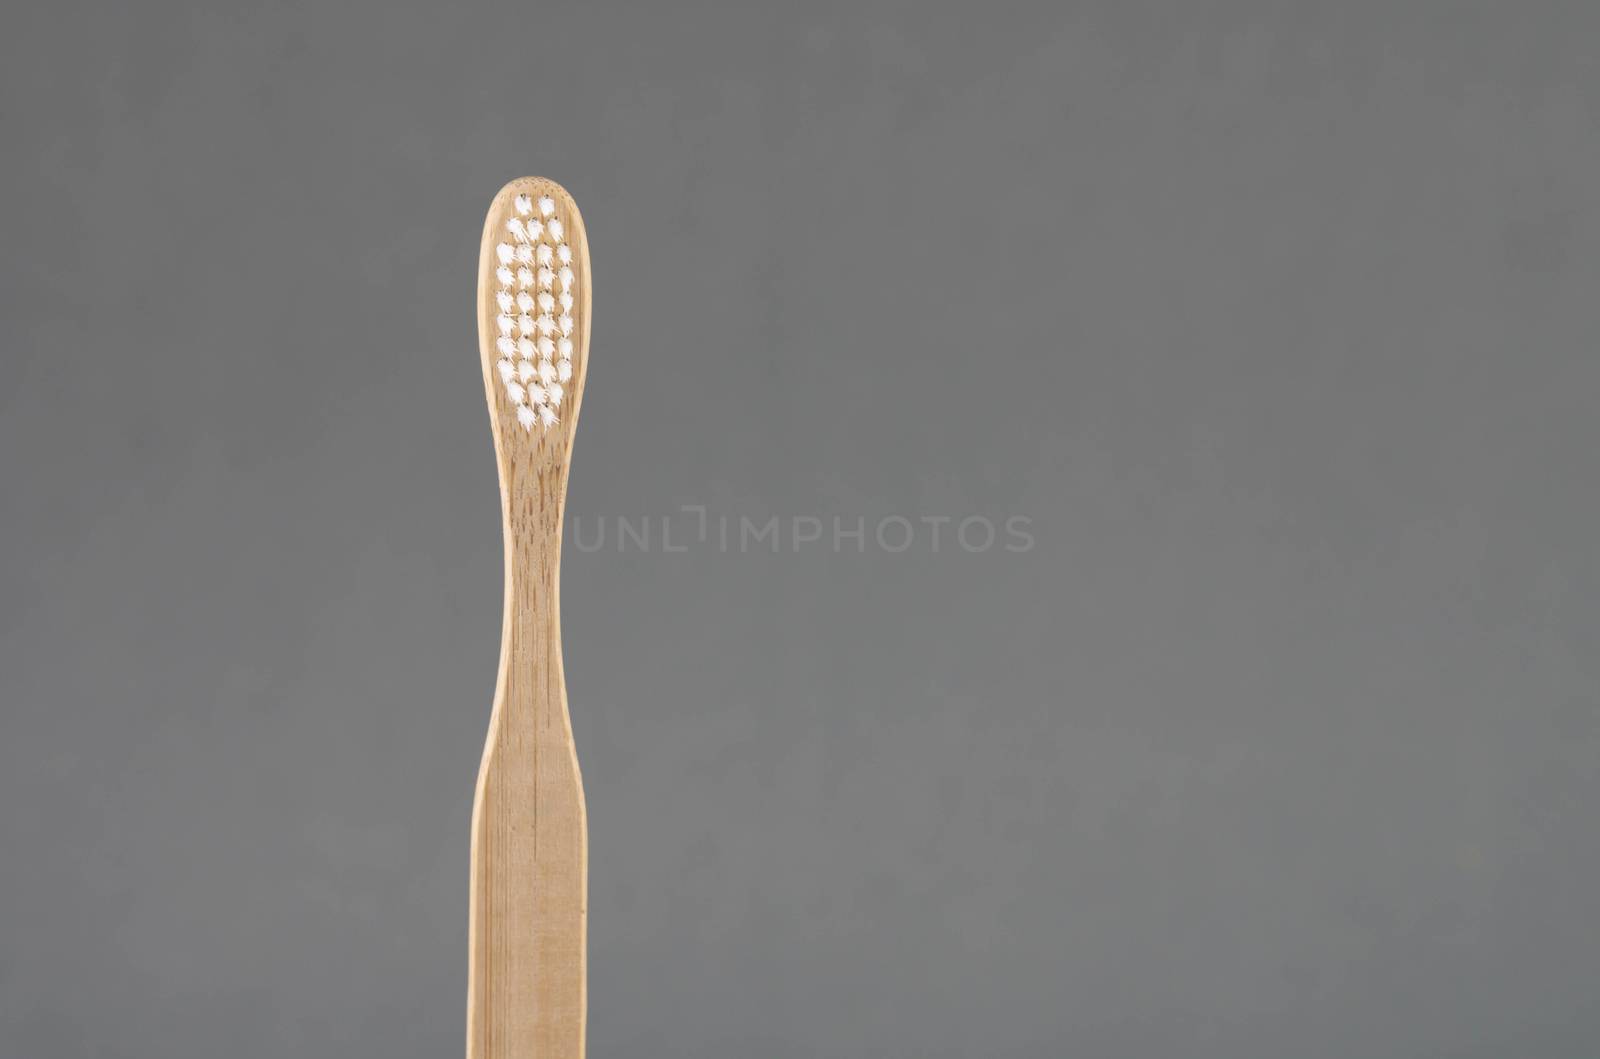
526	987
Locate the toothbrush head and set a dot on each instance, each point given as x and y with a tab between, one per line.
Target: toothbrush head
533	314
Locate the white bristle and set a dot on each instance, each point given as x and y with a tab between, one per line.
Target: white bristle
536	310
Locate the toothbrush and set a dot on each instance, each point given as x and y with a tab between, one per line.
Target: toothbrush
526	990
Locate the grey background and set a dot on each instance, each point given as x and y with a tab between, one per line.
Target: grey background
1280	327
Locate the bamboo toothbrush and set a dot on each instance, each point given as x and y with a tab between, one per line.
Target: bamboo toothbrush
530	860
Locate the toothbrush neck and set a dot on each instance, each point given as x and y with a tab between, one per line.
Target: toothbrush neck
533	516
533	579
533	496
533	502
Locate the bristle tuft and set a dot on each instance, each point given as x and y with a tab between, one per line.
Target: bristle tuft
535	321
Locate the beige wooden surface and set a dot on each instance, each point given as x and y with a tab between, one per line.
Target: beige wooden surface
529	886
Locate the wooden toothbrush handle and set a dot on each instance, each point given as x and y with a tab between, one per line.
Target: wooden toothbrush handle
526	989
